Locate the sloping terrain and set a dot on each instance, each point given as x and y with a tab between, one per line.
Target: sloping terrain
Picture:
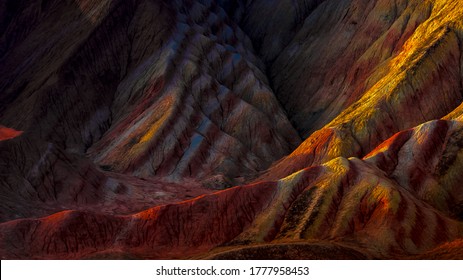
125	124
137	88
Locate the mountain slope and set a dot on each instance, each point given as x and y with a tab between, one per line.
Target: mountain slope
125	124
120	70
136	88
420	82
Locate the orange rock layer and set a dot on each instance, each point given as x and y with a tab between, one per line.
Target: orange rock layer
339	124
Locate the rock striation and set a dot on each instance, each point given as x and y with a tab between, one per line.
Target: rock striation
252	129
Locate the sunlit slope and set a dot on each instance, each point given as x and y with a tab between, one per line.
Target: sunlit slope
421	82
401	201
123	132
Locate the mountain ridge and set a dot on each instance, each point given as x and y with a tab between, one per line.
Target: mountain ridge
231	129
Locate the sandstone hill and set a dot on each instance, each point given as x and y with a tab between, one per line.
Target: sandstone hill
302	129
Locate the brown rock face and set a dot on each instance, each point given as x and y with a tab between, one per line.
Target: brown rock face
172	129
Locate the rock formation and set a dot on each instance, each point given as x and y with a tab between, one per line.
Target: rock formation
322	129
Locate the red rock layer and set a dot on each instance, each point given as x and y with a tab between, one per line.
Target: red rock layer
358	206
8	133
362	210
133	104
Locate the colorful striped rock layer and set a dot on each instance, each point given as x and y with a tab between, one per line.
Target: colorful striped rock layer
216	129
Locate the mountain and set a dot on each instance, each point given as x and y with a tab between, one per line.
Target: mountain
308	129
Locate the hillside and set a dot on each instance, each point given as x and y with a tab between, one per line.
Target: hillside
308	129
